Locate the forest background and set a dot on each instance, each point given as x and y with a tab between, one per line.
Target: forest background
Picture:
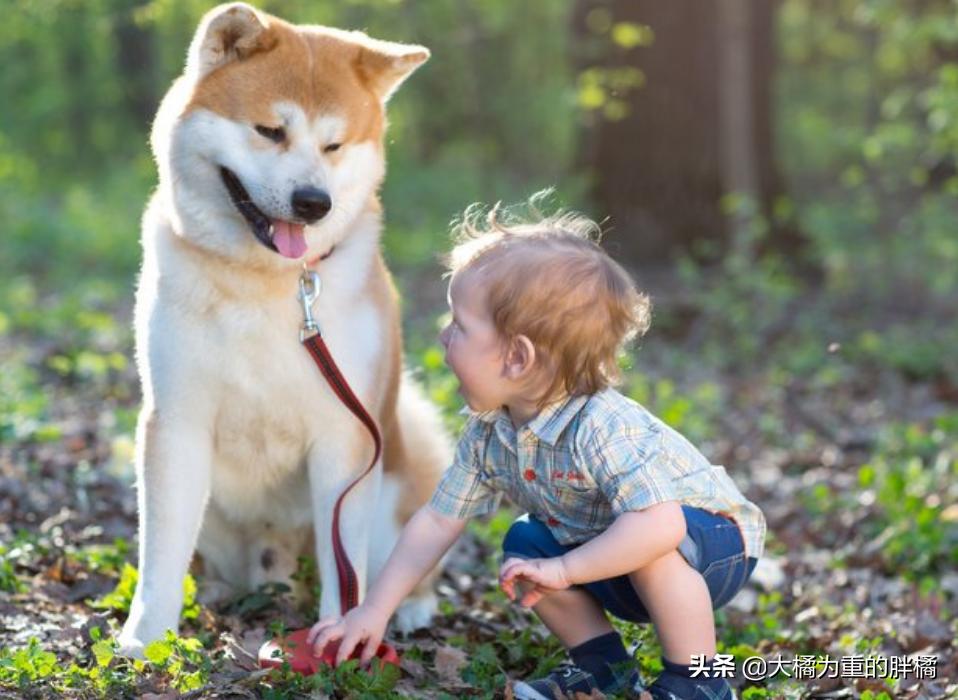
782	177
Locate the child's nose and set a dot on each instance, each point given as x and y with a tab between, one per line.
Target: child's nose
444	336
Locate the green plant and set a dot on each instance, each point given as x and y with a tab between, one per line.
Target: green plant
483	669
33	667
23	404
102	558
913	476
121	596
23	667
346	680
693	414
262	598
24	548
183	659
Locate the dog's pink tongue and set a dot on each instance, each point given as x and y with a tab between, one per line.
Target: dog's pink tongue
289	238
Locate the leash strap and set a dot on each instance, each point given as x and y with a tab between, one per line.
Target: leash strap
348	583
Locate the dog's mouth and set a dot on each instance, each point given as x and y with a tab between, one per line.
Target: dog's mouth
284	237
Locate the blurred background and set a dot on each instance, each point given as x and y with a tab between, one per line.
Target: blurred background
781	176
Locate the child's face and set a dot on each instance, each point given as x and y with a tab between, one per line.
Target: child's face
474	350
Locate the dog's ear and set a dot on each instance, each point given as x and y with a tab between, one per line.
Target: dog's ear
384	65
227	33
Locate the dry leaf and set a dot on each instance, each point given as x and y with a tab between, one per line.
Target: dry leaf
449	660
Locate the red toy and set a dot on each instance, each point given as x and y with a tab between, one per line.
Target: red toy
294	649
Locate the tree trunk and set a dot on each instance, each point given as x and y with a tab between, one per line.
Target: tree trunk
136	71
700	126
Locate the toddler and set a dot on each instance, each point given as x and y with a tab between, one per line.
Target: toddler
624	515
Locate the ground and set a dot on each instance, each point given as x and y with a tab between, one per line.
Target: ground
852	460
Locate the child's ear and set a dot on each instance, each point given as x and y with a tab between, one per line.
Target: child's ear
520	357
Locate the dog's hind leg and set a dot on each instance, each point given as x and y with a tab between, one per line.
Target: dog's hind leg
223	547
273	556
238	558
173	480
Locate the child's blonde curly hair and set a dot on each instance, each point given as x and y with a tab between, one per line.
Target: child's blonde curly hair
547	278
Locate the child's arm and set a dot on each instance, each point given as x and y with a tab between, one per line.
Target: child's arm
635	539
426	537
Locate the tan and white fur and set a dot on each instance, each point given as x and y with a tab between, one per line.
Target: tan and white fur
242	448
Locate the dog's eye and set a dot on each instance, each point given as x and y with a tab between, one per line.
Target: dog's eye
332	147
274	134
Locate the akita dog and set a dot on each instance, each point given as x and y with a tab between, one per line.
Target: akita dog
270	154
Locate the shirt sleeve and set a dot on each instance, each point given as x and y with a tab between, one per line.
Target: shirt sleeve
631	470
463	490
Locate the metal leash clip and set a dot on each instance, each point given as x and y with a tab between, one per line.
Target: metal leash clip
309	288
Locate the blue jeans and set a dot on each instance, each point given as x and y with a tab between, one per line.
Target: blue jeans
713	546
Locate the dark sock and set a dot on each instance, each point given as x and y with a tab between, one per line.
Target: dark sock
599	655
679	678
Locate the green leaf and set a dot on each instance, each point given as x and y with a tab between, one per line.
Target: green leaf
191	609
103	651
158	652
121	596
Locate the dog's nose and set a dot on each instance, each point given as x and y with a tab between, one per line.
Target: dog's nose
311	203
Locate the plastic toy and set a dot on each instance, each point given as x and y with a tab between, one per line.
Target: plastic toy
294	649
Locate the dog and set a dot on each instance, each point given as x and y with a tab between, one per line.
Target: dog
270	155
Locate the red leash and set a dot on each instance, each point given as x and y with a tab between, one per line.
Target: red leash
348	583
302	659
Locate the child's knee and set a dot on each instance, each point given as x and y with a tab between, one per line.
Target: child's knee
529	538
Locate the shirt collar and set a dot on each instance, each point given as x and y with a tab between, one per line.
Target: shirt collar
548	423
555	417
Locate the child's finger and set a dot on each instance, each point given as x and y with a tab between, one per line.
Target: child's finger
532	597
319	627
350	640
506	575
508	587
510	562
369	651
514	568
327	635
509	580
533	593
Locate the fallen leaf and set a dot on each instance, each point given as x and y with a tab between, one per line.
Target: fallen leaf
449	661
413	668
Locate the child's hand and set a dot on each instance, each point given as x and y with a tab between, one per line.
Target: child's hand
359	624
544	575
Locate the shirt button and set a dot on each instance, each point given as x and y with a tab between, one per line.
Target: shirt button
529	475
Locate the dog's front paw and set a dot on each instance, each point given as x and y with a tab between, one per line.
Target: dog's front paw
416	612
134	638
130	647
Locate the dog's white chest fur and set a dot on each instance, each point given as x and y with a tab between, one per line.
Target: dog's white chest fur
279	408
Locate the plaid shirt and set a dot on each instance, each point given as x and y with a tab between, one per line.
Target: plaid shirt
583	461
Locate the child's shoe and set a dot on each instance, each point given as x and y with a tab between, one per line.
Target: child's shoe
567	679
686	689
